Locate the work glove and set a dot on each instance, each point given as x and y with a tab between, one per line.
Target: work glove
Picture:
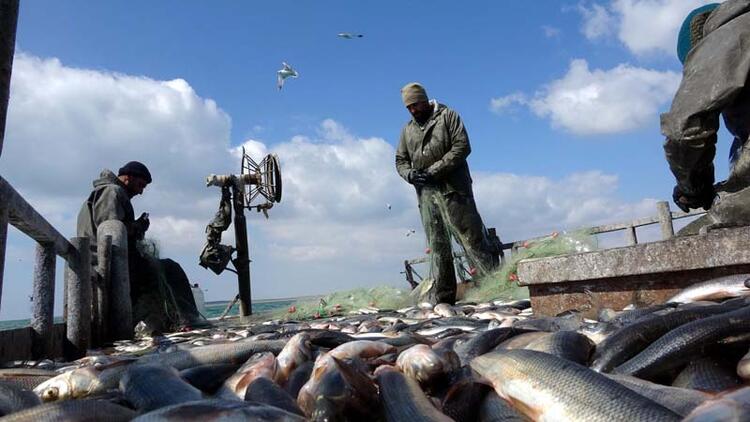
419	178
686	202
141	225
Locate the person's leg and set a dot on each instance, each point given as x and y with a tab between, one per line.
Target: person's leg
470	232
441	253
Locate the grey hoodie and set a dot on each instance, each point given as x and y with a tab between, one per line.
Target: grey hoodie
108	201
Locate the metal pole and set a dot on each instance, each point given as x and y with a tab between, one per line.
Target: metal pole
665	220
3	239
101	302
630	236
120	308
242	262
43	300
78	277
8	23
226	310
409	275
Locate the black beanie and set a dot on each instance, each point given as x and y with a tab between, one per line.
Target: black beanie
135	168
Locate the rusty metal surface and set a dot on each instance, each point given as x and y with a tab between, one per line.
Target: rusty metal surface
617	292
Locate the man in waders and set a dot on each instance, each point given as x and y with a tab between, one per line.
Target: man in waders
714	47
159	289
431	155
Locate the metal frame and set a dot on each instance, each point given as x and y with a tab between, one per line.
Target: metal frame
664	218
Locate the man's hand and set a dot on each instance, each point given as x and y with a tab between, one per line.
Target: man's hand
141	225
419	178
685	202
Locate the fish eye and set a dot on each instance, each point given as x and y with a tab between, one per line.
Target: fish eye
50	394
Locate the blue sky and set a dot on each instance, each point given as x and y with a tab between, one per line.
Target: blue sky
560	98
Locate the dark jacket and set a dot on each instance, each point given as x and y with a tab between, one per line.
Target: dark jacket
108	201
714	82
440	148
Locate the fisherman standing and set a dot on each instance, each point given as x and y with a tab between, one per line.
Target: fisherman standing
431	155
158	287
714	47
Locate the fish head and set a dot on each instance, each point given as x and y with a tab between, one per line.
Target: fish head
57	388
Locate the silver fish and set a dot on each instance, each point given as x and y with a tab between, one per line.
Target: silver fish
545	387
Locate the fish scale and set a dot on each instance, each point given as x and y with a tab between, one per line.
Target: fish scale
626	342
681	344
546	387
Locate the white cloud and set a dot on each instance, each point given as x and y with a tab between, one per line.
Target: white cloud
591	102
332	229
643	26
501	104
597	21
551	31
525	206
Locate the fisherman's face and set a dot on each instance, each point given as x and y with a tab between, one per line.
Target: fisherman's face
421	111
134	185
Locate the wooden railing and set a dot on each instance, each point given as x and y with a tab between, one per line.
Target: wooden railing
664	218
96	286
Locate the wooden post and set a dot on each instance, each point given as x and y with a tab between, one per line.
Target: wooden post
8	23
3	239
120	314
630	236
242	262
78	278
43	301
102	288
665	220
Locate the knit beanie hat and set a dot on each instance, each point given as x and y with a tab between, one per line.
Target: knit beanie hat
412	93
691	31
135	168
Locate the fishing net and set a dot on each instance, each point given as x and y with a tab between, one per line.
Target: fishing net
163	299
341	303
501	284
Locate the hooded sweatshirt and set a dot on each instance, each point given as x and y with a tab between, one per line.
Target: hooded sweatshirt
108	201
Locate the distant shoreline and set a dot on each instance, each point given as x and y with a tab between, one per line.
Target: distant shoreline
281	299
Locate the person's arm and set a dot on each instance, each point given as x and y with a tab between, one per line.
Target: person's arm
714	74
403	160
460	148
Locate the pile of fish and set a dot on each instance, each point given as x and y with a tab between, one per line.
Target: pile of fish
686	359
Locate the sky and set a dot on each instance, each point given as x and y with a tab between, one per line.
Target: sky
561	100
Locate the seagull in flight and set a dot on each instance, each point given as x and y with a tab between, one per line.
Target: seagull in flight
349	35
284	73
410	232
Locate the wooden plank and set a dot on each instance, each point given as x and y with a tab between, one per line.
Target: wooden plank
8	23
718	248
26	219
43	300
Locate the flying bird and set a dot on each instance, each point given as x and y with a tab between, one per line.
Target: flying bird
349	35
388	206
410	232
286	72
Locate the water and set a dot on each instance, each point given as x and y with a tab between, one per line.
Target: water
213	310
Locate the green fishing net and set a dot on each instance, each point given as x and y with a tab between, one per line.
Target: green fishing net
502	283
341	303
